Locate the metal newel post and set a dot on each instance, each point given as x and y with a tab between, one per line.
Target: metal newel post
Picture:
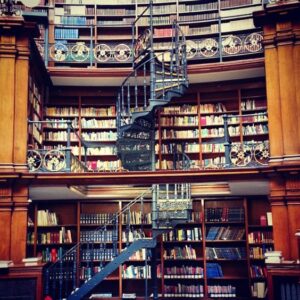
226	141
68	150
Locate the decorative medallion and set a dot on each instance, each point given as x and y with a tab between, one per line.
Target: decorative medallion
240	155
208	47
34	160
191	49
253	42
232	44
262	153
80	52
102	53
54	160
59	52
122	52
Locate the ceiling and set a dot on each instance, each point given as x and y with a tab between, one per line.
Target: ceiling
114	77
118	192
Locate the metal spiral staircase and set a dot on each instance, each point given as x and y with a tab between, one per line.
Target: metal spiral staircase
157	77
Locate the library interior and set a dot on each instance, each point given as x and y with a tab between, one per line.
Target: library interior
150	149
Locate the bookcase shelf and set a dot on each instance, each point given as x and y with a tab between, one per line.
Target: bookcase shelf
82	216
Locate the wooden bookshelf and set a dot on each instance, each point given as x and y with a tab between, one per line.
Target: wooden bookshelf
79	27
183	253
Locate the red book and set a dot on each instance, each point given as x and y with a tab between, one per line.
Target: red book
263	220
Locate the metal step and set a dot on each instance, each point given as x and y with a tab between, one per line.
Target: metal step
87	287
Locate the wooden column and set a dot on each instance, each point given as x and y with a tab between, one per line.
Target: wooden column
13	221
15	37
14	68
6	206
281	27
281	24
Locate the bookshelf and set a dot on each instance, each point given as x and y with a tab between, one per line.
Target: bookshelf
93	33
95	124
213	250
199	119
188	123
260	240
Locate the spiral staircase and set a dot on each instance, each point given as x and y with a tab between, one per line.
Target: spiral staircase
157	78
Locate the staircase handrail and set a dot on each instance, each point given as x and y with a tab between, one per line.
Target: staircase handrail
109	221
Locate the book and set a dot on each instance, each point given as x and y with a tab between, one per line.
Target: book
6	263
269	219
31	259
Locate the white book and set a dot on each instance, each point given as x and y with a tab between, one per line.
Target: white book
273	254
31	259
6	263
269	219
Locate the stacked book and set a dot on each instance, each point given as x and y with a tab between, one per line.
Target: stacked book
273	257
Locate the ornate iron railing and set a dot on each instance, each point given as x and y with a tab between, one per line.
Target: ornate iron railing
87	53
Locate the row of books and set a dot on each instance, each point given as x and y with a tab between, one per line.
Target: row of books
198	7
259	252
255	129
116	11
259	290
183	271
229	253
94	123
69	20
97	218
184	109
141	254
103	150
124	21
289	291
104	254
179	121
46	218
213	148
136	272
198	17
222	291
250	104
183	290
257	271
193	234
61	237
98	236
225	233
260	237
178	134
86	273
53	254
233	3
100	165
131	235
59	136
213	270
85	111
212	162
67	274
186	252
100	136
224	214
136	218
66	33
169	164
189	148
61	123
